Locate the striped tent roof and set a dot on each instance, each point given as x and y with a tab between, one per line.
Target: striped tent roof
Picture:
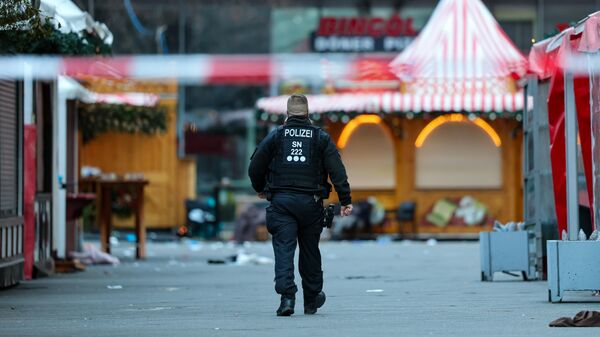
461	61
461	42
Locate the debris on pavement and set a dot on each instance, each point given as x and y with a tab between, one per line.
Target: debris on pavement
92	255
375	290
384	239
242	259
432	242
114	287
362	277
193	245
590	319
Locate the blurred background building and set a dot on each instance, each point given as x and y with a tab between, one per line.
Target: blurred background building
279	26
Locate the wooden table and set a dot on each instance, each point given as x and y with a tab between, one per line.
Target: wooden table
105	188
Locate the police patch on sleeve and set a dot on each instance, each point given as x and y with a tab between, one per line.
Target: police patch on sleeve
297	146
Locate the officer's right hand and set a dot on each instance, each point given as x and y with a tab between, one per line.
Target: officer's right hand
346	210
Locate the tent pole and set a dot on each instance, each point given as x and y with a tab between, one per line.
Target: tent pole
571	158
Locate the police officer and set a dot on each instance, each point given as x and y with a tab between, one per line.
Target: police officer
290	168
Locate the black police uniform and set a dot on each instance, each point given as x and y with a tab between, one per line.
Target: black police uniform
292	165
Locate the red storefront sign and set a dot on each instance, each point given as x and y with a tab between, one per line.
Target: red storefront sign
366	26
363	34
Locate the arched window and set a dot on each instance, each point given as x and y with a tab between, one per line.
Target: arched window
458	153
368	154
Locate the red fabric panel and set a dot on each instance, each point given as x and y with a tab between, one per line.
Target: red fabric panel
29	188
556	118
541	63
582	102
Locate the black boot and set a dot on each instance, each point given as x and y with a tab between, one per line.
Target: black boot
286	308
311	305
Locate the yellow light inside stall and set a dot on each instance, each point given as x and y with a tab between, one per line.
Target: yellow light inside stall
353	124
453	118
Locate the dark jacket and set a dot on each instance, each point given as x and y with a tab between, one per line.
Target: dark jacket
332	162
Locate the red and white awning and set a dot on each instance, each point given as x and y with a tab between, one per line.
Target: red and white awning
461	41
128	98
389	102
71	89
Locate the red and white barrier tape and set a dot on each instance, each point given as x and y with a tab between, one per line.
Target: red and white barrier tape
210	69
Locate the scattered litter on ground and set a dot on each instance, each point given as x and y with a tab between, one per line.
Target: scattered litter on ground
432	242
582	319
375	290
193	245
242	259
384	239
129	252
245	259
113	241
216	245
362	277
150	309
92	255
114	287
172	289
220	261
130	237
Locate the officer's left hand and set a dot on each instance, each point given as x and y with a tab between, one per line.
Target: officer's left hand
262	195
346	210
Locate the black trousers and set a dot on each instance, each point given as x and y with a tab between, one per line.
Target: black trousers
296	219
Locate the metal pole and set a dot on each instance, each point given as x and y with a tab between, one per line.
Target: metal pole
91	7
540	20
571	158
250	140
181	87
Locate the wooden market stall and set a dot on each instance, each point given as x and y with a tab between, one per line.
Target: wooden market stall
440	125
171	180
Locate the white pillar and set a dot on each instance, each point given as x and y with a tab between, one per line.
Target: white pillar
59	169
27	96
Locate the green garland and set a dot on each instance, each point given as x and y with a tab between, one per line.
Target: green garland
23	31
264	117
95	119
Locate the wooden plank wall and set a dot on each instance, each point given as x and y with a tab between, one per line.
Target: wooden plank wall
505	203
172	180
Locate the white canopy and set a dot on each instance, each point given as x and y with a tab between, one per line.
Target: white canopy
67	17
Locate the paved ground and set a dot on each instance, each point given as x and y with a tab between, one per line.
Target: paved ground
420	290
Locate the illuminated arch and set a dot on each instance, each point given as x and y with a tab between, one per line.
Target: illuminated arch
437	122
355	123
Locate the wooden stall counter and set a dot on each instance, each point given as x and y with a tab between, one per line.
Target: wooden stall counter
134	192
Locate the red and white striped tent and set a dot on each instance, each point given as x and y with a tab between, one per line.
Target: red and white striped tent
461	61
